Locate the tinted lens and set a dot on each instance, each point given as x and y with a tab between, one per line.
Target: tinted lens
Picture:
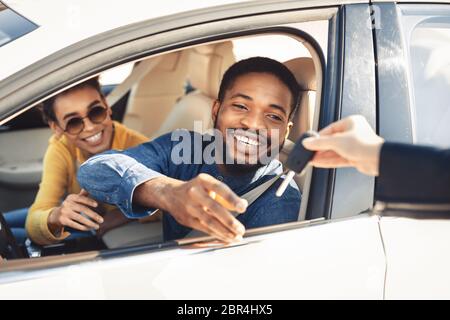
75	125
97	114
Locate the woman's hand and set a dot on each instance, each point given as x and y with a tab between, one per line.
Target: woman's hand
75	212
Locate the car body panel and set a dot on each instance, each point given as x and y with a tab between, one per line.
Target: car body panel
418	257
416	242
271	266
357	97
71	21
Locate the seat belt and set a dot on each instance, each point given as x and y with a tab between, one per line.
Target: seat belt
251	196
139	72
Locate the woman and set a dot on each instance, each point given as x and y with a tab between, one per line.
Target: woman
81	122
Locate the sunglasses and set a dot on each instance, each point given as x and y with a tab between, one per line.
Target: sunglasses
96	115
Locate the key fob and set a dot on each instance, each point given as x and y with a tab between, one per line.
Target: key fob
299	156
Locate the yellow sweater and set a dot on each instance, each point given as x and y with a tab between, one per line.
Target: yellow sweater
61	162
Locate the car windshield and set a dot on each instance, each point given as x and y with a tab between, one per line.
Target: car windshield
13	25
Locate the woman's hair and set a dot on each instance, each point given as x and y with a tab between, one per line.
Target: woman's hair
47	107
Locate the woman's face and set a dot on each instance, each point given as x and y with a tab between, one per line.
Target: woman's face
95	137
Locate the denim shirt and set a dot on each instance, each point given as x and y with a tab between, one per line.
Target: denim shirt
112	177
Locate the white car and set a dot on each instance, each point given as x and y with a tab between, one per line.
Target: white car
389	61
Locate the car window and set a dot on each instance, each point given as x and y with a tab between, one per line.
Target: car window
429	57
204	56
115	75
13	25
253	46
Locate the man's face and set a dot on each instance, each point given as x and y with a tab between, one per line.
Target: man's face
253	117
95	137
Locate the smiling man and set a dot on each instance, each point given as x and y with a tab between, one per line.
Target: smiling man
251	118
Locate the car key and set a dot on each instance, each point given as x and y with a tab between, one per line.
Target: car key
297	160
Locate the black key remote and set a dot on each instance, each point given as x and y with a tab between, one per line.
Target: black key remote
297	160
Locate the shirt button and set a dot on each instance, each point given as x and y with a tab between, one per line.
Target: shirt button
220	178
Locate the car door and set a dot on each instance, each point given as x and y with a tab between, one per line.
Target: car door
338	256
414	81
337	260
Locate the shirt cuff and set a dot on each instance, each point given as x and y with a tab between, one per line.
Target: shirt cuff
133	178
48	236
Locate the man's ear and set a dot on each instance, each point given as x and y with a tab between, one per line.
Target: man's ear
57	131
215	110
288	129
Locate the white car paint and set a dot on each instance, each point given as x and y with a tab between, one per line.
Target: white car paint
418	255
257	270
70	21
340	259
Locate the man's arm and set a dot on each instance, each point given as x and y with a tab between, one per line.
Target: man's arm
112	177
191	204
135	180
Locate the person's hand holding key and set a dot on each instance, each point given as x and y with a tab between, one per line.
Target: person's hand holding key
297	160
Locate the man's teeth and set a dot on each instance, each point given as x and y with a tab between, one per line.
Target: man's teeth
94	138
247	140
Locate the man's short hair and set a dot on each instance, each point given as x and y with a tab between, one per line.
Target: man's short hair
261	65
47	107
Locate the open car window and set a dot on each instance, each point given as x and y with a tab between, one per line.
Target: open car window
165	88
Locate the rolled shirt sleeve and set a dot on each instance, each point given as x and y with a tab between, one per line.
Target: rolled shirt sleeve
112	176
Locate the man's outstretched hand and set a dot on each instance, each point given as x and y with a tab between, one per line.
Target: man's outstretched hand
203	203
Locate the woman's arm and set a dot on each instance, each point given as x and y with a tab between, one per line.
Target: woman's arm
51	212
52	188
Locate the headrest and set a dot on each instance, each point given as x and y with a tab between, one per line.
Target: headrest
304	71
208	64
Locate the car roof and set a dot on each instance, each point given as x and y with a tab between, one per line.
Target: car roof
65	22
115	13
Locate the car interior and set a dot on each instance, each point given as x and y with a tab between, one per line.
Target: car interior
158	95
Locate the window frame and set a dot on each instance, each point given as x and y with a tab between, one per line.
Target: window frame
22	25
74	65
